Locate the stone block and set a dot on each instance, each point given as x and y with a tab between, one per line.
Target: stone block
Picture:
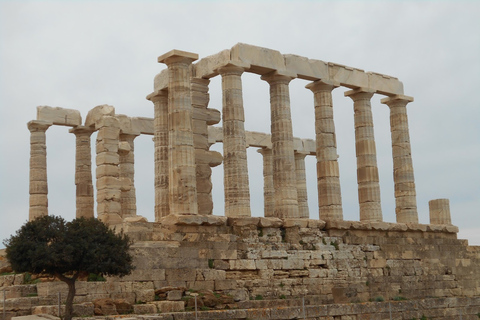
270	222
261	60
384	84
243	221
305	68
180	274
228	284
148	308
301	223
97	113
174	295
160	81
59	116
207	67
169	306
145	295
347	76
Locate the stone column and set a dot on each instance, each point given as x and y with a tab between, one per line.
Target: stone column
83	172
328	173
439	211
268	191
405	194
367	170
108	172
38	169
301	185
160	141
237	192
284	176
181	150
128	200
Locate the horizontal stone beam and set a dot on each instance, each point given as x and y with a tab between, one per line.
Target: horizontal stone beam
263	140
262	60
59	116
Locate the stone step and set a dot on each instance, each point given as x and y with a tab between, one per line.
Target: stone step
19	291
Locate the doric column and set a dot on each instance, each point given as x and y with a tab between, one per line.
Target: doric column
181	150
367	170
301	185
328	173
38	169
405	194
268	191
160	141
284	176
83	172
440	211
128	200
108	172
237	192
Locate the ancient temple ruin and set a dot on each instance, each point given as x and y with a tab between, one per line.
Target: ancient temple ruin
183	133
285	254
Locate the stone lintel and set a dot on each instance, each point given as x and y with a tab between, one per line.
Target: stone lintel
232	63
177	54
59	116
387	100
278	73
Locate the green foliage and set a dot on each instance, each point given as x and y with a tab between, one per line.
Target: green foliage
50	245
423	317
367	283
283	296
335	244
281	285
95	277
478	315
379	299
211	263
204	308
283	234
258	297
260	232
399	298
27	279
324	241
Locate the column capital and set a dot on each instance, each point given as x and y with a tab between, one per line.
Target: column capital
82	130
322	85
38	125
359	93
279	76
233	67
177	56
264	151
397	98
157	95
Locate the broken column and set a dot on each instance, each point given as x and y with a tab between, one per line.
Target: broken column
328	173
268	191
160	141
83	172
128	200
284	176
108	172
38	169
204	159
440	211
367	170
237	192
302	195
403	177
181	150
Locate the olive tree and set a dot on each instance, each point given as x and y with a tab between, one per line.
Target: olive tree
49	245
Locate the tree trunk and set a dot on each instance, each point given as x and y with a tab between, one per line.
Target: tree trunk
71	294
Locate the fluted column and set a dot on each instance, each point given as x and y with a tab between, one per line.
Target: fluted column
284	176
128	200
403	177
301	185
160	141
440	211
38	169
181	150
328	173
367	170
237	192
268	191
83	172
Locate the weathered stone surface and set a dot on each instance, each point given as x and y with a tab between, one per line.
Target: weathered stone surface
97	113
59	116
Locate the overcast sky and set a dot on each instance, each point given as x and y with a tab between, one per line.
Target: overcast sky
80	54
